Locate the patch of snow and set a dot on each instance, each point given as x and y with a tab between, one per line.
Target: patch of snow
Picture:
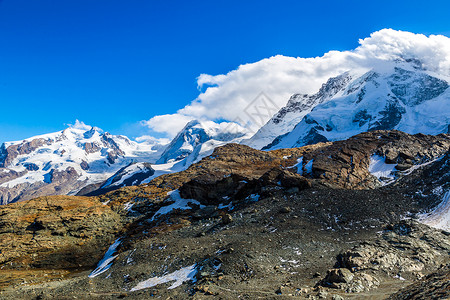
399	277
253	197
217	267
179	276
179	203
229	206
439	217
308	167
299	165
380	169
107	260
127	206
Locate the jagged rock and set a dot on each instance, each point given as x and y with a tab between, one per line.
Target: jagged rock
345	280
31	167
284	178
406	248
84	165
227	219
92	147
68	174
341	275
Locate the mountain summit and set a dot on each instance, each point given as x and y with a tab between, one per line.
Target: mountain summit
397	95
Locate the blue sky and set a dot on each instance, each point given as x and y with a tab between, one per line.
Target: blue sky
114	63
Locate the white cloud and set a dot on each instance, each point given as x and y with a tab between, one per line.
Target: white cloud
79	125
169	124
227	96
150	140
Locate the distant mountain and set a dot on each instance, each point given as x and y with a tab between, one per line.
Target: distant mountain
65	162
198	139
396	95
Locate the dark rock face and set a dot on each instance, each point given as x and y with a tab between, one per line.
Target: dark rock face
390	117
31	167
283	178
111	144
92	147
84	165
208	189
62	176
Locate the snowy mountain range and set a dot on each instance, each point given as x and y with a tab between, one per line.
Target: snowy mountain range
65	162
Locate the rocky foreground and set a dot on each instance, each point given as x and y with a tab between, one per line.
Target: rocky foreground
310	222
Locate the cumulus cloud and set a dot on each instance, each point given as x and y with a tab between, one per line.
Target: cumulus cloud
227	96
170	124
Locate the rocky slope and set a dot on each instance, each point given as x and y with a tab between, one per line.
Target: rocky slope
65	162
243	223
396	95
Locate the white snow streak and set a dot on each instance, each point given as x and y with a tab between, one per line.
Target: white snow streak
179	276
107	260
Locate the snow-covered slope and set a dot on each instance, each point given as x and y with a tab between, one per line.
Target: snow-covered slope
396	95
297	107
198	139
66	161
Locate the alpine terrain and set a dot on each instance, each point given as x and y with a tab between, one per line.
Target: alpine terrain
343	194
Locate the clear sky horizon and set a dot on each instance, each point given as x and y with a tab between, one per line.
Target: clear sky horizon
114	63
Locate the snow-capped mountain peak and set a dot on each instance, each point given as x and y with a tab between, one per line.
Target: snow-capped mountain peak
198	138
297	107
395	95
65	161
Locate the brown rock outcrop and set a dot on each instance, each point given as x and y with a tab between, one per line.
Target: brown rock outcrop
345	164
58	232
